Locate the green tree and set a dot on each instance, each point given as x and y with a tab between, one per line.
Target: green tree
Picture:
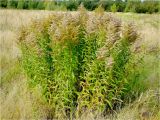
40	5
158	8
20	4
9	4
130	6
72	5
12	3
3	3
30	4
49	5
114	8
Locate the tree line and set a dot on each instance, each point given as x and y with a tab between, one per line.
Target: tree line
137	6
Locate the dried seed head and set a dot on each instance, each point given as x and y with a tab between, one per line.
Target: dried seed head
109	62
114	31
101	53
129	33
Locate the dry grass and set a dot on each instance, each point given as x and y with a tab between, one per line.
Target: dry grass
16	99
141	109
10	22
148	25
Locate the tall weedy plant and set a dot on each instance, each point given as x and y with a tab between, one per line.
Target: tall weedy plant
79	61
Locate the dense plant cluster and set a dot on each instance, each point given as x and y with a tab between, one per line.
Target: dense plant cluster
137	6
80	61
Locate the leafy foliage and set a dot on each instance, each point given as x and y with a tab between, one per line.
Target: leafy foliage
114	8
147	6
81	67
20	4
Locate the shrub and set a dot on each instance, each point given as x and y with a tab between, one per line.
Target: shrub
121	6
30	4
142	7
80	61
90	5
114	8
71	5
49	5
12	4
41	5
20	4
9	2
3	3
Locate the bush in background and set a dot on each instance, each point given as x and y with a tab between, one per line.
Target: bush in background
40	5
142	7
71	5
114	8
30	4
20	4
49	5
3	3
137	6
8	4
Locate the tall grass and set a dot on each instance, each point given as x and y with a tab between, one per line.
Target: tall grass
80	61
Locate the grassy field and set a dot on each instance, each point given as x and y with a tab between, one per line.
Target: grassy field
19	102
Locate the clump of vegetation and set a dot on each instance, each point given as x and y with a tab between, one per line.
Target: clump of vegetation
137	6
20	4
114	8
81	62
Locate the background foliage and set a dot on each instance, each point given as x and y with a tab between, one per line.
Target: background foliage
137	6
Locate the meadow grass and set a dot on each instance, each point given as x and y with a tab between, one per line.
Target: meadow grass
34	106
